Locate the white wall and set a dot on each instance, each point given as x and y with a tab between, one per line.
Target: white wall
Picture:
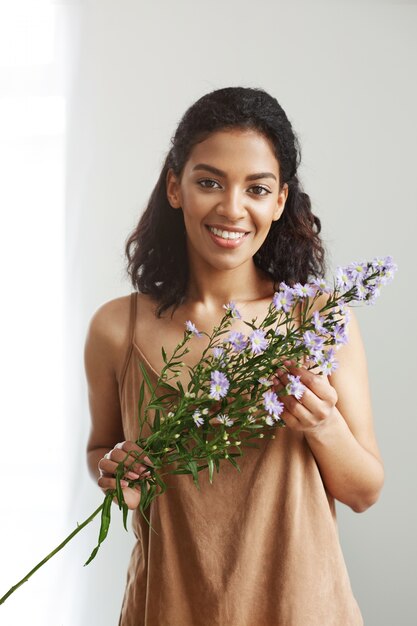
344	73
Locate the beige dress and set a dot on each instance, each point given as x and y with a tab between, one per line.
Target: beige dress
255	548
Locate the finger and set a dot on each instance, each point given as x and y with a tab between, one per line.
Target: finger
106	482
318	383
109	463
134	450
132	453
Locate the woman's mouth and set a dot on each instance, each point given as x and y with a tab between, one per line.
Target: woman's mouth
226	238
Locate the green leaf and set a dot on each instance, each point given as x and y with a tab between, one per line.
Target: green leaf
92	555
105	517
164	354
233	462
197	438
181	471
160	482
166	385
125	511
193	467
211	469
157	421
119	491
146	377
104	526
181	448
141	397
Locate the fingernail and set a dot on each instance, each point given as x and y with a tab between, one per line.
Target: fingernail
124	483
132	475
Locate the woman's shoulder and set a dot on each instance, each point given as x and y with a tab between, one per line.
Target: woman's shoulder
111	317
107	333
110	325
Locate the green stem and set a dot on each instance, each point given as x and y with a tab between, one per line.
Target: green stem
61	545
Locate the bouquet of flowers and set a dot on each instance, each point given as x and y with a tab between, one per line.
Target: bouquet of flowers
233	385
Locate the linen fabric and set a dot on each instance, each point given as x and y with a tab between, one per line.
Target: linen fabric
259	547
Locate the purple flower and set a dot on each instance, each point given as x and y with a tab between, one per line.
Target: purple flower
219	385
197	418
258	341
237	340
312	341
386	268
339	334
321	284
316	356
343	279
232	310
265	381
318	322
361	291
272	404
192	329
327	364
304	291
218	353
388	274
373	294
357	271
295	387
284	299
224	419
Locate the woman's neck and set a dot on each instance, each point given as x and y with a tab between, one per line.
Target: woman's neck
211	288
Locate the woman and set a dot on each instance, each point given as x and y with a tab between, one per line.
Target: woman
228	220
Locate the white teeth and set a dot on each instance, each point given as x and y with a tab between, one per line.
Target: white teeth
226	234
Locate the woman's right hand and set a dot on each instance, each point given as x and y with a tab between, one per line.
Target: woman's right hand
107	467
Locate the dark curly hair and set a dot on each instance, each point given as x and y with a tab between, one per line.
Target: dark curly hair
292	251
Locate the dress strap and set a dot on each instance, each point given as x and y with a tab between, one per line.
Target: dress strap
132	319
132	325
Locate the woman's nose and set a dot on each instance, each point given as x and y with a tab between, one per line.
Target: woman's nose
231	206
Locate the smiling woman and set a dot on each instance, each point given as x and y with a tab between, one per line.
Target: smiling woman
259	546
232	136
231	213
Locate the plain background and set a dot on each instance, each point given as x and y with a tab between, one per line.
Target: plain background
345	75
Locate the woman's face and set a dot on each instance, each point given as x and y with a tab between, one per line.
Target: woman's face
229	195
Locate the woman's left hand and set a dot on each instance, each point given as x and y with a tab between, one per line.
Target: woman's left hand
316	406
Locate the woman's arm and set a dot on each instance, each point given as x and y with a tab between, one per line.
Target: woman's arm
105	349
101	356
335	415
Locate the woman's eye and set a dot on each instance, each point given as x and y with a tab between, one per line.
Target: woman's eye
263	189
207	180
204	181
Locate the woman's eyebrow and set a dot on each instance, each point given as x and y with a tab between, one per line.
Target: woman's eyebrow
215	170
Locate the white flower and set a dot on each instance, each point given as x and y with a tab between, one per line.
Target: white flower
224	419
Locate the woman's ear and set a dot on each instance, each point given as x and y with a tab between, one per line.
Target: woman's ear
173	190
282	198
